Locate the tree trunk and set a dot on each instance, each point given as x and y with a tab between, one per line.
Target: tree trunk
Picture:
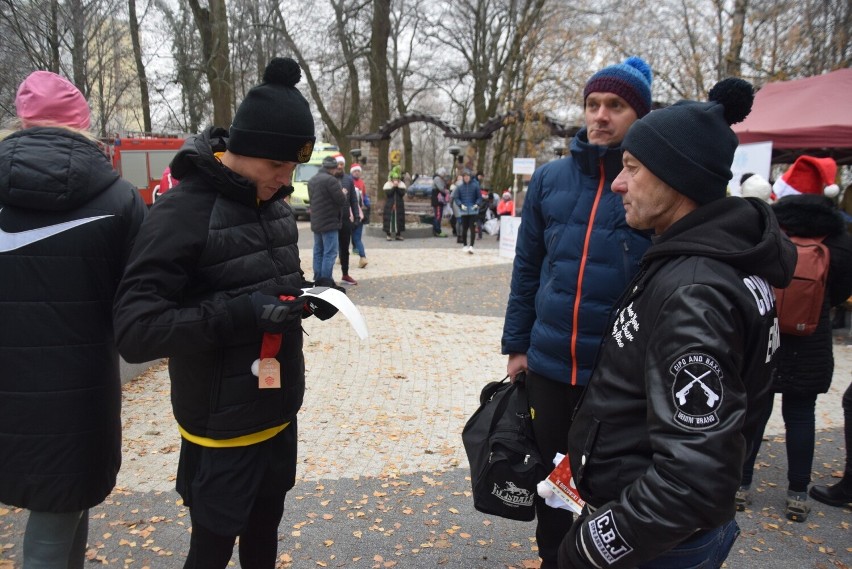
733	59
78	43
212	24
53	36
140	67
379	77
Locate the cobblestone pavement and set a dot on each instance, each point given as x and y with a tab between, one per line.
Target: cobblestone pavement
383	479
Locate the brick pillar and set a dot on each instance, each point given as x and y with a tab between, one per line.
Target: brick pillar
370	175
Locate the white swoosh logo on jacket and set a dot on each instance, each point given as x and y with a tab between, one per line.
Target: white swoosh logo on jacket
12	241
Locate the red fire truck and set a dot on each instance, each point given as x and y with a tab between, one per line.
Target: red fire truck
141	158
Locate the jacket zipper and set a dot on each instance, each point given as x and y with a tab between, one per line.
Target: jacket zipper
583	257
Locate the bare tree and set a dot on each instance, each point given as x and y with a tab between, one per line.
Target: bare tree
140	67
212	23
378	64
331	66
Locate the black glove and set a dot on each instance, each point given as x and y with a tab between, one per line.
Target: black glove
319	308
273	314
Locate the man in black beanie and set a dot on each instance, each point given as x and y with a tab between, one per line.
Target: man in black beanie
658	442
220	298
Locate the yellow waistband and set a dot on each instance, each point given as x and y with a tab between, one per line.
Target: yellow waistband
242	441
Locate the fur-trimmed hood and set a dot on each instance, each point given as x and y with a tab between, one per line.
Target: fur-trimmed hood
808	215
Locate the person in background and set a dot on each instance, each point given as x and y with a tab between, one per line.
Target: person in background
468	199
221	299
328	201
839	494
349	218
167	182
393	216
506	205
805	364
659	438
440	198
67	225
575	255
358	228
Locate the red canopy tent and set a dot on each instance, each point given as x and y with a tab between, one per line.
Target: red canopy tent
804	116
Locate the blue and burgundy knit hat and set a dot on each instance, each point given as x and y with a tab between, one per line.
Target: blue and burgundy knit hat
630	80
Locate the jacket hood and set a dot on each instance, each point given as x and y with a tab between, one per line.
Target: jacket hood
741	232
198	156
808	215
52	169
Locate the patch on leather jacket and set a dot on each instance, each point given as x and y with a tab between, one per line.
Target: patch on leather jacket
697	391
607	539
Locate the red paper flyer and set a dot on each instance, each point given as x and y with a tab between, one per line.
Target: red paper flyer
562	483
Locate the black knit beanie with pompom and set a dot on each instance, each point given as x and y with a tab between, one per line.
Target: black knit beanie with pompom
274	120
690	145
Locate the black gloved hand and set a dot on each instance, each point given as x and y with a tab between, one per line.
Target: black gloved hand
274	315
319	308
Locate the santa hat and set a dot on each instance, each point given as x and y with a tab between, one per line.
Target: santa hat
507	195
355	168
808	175
340	159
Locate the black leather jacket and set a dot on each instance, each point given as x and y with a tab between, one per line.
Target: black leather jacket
657	443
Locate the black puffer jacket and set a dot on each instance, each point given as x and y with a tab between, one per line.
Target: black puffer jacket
805	364
67	223
206	245
657	443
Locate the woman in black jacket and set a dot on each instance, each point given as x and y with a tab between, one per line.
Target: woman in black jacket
67	224
805	364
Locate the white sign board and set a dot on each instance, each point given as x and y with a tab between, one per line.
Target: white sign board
508	235
521	166
750	158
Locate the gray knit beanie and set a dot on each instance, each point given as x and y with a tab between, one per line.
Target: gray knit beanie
690	145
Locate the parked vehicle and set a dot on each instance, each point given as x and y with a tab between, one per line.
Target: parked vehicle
420	187
299	200
142	158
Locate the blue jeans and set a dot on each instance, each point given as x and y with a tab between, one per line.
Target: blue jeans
356	240
707	551
325	252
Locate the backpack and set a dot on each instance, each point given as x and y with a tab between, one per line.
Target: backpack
505	465
799	306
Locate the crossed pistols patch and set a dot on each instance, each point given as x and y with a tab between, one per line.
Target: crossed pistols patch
697	391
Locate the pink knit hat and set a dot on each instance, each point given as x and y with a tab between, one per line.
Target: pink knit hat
45	97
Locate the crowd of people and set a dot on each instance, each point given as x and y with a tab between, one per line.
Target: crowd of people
641	313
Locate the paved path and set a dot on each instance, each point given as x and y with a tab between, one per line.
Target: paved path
383	479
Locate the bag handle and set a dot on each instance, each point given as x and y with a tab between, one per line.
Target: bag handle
504	400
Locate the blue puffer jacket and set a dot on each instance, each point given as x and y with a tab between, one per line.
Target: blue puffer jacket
575	255
468	198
